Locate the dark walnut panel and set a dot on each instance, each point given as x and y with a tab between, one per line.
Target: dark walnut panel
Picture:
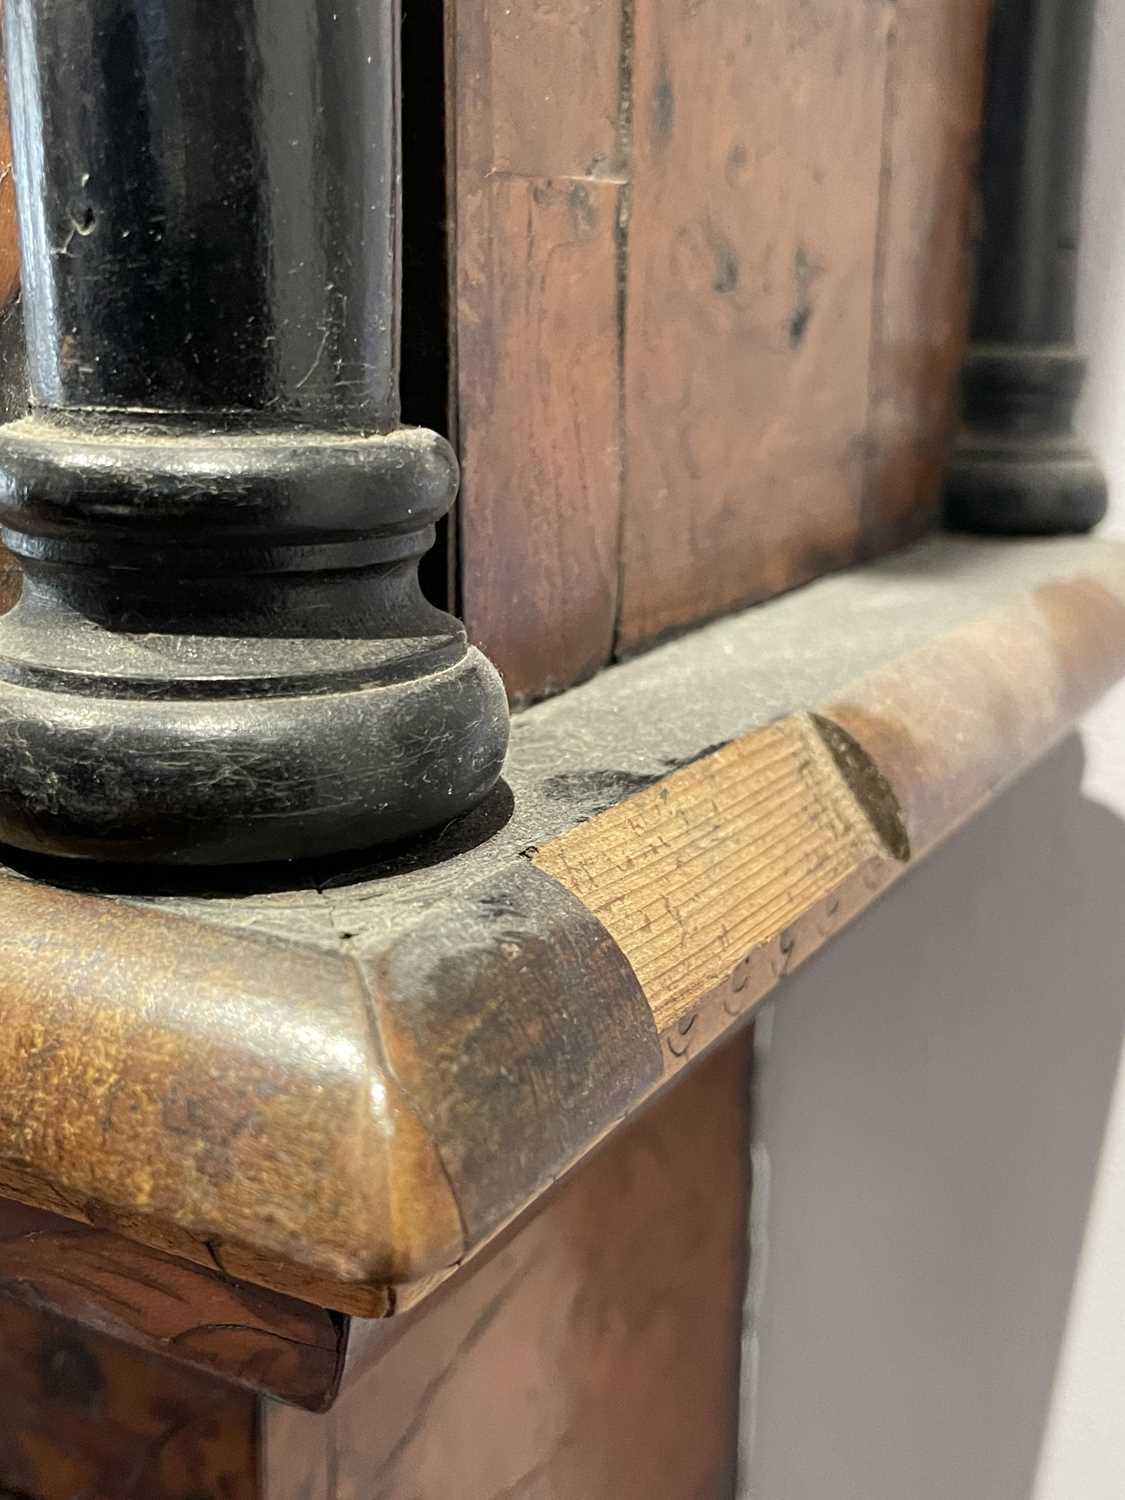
85	1418
167	1306
593	1356
709	295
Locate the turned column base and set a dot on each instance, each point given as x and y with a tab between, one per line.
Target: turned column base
221	654
1018	468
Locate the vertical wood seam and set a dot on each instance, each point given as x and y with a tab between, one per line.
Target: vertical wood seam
451	84
871	439
623	168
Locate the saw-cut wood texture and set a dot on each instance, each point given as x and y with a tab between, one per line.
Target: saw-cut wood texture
85	1418
718	859
709	271
593	1356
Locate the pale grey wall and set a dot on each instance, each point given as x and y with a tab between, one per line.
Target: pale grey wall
938	1290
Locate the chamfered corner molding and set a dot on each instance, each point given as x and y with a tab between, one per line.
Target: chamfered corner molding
221	652
1018	466
402	1061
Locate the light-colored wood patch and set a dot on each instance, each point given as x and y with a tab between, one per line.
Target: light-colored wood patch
695	873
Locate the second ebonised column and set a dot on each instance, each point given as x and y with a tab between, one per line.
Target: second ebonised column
1018	467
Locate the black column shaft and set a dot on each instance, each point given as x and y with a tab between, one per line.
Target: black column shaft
221	652
1018	466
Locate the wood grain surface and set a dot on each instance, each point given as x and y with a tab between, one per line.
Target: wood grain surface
9	234
257	1137
13	371
751	254
924	274
11	580
950	726
166	1305
344	1111
593	1356
720	858
537	204
85	1418
519	990
710	278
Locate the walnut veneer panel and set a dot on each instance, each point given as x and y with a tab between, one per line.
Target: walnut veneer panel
594	1356
85	1418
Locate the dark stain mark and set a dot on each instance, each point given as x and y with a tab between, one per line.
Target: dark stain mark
212	1246
596	789
786	944
678	1051
582	212
726	261
678	762
798	323
805	273
71	1373
870	787
662	106
623	143
736	162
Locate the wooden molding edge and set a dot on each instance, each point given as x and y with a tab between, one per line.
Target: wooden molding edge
163	1304
214	1095
345	1121
708	866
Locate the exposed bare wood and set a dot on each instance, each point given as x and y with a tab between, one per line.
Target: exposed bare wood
718	860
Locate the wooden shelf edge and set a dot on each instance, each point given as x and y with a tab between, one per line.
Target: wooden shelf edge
342	1110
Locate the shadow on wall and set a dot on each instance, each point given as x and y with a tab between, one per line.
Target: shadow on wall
930	1111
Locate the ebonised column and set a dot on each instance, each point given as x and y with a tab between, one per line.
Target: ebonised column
221	652
1018	466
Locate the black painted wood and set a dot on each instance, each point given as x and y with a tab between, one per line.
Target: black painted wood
221	652
1018	465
